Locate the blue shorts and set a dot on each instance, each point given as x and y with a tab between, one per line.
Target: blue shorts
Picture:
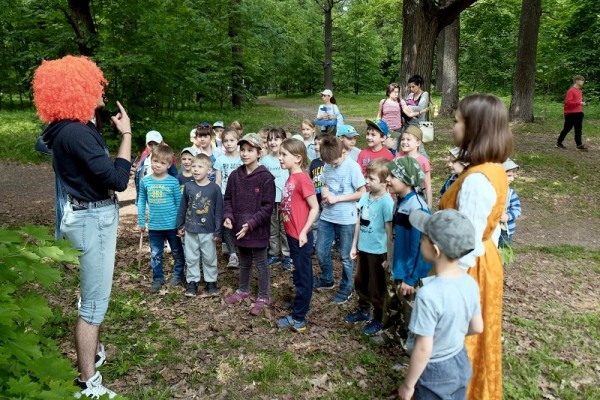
93	232
446	379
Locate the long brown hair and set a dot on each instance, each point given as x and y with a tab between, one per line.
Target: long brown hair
296	148
487	135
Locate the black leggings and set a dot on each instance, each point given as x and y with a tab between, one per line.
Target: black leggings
572	120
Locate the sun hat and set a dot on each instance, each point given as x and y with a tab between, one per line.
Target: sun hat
408	170
509	165
346	130
327	92
449	229
415	131
190	150
380	125
218	124
253	139
154	136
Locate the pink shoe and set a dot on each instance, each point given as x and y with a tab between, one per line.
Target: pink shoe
261	303
236	297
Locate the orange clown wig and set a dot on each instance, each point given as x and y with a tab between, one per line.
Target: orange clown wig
67	89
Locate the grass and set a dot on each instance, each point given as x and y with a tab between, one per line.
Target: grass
167	346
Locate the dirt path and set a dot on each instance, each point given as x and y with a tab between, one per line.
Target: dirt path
27	193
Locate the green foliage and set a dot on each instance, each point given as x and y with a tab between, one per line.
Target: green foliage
31	365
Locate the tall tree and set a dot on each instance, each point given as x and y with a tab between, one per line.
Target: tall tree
450	68
327	8
80	18
439	61
523	92
422	22
237	53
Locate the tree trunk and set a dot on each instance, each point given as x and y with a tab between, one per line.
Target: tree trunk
328	41
523	91
439	61
422	22
237	54
450	68
80	18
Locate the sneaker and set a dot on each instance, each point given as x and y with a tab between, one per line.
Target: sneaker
273	260
224	249
93	388
373	328
341	298
156	286
211	288
192	289
260	303
234	261
236	297
320	284
582	148
291	324
287	264
560	146
100	356
357	316
176	280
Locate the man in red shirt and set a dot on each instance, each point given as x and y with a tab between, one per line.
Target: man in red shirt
573	113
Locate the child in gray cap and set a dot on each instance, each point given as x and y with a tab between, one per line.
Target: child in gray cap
446	310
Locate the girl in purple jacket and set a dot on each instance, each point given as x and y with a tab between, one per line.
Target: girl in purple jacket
248	205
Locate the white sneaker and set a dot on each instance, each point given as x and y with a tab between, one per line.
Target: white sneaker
234	262
94	388
100	356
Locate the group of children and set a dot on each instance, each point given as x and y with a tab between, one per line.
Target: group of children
269	196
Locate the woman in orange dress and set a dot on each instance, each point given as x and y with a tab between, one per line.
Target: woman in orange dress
482	133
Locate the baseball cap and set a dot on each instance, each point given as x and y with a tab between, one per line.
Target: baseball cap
408	170
154	136
415	131
380	125
346	130
509	164
454	152
190	150
218	124
327	92
450	230
253	139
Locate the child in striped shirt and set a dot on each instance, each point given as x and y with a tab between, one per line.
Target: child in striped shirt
508	220
161	192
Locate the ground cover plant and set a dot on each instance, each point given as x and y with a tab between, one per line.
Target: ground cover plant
167	346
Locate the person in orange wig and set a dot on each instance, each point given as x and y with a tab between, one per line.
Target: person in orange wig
66	93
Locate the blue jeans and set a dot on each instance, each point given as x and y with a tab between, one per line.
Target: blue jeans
446	379
344	234
157	246
302	275
94	233
505	239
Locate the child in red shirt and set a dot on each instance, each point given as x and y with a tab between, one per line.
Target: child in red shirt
299	208
376	134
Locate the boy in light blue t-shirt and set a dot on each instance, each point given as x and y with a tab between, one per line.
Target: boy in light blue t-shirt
446	310
343	186
372	244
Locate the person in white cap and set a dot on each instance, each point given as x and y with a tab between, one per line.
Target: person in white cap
328	114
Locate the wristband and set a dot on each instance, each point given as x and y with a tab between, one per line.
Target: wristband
126	133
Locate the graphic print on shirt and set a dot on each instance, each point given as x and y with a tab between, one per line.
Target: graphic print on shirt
286	201
201	205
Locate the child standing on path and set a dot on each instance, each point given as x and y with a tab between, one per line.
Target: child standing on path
409	144
249	201
162	193
376	210
199	219
508	220
446	310
343	186
185	174
277	240
299	209
376	135
348	135
224	165
408	266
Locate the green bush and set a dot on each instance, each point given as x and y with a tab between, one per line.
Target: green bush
31	366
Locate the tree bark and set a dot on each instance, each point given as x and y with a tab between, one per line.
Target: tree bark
422	22
450	68
237	54
80	18
523	90
327	7
439	61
